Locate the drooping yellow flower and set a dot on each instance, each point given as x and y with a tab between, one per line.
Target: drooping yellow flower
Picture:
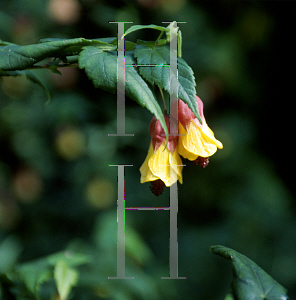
196	140
163	165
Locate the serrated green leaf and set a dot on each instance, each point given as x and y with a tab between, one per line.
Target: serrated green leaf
31	76
160	55
14	57
250	282
65	278
101	68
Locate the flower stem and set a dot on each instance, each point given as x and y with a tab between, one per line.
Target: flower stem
164	107
159	37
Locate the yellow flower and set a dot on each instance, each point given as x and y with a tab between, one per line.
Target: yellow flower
195	140
163	165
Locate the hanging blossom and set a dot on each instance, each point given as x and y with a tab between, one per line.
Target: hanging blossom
196	141
163	165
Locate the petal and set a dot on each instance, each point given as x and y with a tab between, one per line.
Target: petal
184	147
162	165
159	164
197	142
166	166
210	135
146	174
176	167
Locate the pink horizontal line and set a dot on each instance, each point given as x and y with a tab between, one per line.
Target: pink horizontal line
147	208
147	65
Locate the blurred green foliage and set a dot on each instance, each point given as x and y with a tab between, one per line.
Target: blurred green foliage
58	194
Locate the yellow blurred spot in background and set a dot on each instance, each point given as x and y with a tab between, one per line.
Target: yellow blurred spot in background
100	193
70	143
14	87
102	292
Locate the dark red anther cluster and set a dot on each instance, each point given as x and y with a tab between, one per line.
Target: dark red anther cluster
157	187
202	161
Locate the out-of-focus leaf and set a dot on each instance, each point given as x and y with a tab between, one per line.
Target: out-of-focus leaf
146	54
101	68
229	296
65	278
72	259
33	274
31	76
136	247
10	248
250	282
3	43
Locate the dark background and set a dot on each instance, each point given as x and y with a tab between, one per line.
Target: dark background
58	192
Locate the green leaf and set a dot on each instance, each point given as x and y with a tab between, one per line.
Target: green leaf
70	258
138	27
31	76
14	57
250	282
229	296
65	278
162	29
107	40
33	274
10	248
101	68
160	55
136	247
3	43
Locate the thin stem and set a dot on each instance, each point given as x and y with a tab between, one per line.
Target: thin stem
164	107
159	37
